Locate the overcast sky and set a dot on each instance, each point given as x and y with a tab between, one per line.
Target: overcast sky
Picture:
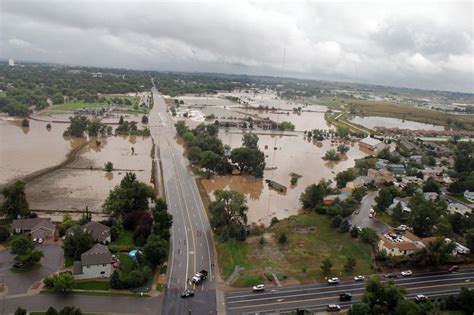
403	43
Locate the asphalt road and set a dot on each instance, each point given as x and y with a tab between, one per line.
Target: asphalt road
191	238
315	297
362	218
19	283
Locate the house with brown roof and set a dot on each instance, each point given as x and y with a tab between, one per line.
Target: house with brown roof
380	176
37	228
397	248
94	263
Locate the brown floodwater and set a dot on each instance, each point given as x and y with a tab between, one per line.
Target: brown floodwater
84	182
388	122
292	154
27	150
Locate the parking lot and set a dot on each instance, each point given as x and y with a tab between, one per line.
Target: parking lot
18	283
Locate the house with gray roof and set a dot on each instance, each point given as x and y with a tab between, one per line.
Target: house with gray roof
99	232
94	263
35	227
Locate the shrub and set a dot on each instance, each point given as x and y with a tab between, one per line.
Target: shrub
4	233
282	239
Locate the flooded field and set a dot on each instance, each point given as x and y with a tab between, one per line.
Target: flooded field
387	122
292	154
27	150
84	182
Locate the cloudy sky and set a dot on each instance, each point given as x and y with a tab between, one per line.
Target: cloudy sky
421	44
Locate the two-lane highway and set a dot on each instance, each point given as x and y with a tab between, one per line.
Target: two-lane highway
315	297
191	238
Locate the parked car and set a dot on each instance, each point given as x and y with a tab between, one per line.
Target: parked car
359	278
406	273
390	275
453	268
333	308
187	293
18	265
333	281
357	211
421	298
258	288
345	296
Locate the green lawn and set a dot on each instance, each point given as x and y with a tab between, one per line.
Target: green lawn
300	258
386	218
68	261
93	285
26	269
126	239
75	105
126	263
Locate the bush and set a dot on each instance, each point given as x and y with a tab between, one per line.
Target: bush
51	311
282	239
354	232
20	311
115	282
109	166
274	221
135	278
70	310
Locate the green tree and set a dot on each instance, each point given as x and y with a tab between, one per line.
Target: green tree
77	243
70	310
424	215
155	251
20	311
313	195
378	294
384	199
162	220
342	178
57	98
24	251
210	161
397	213
350	264
359	308
465	300
228	210
331	155
326	266
181	127
407	307
51	311
282	239
369	236
250	140
15	203
129	195
115	282
4	233
431	185
77	126
342	148
121	120
436	253
109	166
470	239
62	282
354	231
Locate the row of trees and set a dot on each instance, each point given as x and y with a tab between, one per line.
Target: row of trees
81	124
229	215
206	150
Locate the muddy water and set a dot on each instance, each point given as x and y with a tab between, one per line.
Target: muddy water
84	182
387	122
27	150
292	154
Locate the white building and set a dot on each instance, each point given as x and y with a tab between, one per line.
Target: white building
459	208
371	144
95	263
11	62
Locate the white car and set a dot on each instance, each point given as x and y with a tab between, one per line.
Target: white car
359	278
371	215
403	227
407	273
333	281
258	288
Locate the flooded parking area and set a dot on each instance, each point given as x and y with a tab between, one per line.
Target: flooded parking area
288	154
388	122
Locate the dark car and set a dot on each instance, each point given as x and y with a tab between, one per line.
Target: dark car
18	265
390	275
345	296
187	293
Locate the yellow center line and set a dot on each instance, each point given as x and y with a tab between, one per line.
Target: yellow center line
331	297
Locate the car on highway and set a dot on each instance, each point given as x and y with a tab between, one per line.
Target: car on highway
333	281
258	288
421	298
390	275
333	308
453	268
200	277
359	278
406	273
345	296
187	293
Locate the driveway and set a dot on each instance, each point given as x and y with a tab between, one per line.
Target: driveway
18	283
362	219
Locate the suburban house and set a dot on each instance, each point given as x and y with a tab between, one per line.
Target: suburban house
469	195
94	263
431	172
397	169
402	202
37	228
329	199
358	182
99	232
411	179
416	158
459	208
380	176
397	248
371	145
381	163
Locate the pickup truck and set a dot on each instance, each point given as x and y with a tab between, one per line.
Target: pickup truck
200	277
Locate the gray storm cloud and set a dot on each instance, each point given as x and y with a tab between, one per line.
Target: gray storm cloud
422	45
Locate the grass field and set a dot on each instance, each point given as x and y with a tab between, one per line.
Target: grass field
93	285
126	239
300	258
75	105
392	109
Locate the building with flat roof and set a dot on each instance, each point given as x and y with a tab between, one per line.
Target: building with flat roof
371	145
